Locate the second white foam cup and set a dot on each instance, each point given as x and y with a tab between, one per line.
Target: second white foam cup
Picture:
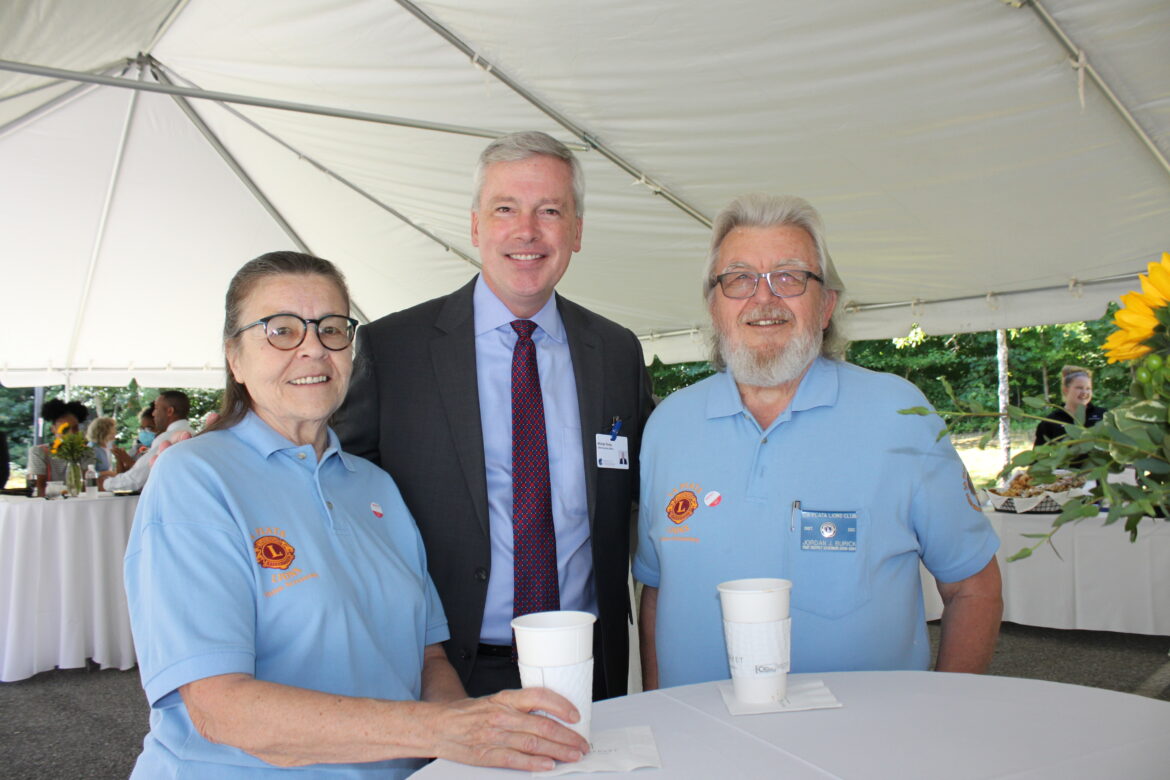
757	630
555	651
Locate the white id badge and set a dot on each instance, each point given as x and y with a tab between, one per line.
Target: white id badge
612	453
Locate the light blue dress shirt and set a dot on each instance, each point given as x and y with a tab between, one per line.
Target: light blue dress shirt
494	342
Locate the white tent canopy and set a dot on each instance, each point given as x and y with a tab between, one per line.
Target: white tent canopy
979	164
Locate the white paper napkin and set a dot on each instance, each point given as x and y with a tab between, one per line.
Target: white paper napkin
616	750
804	695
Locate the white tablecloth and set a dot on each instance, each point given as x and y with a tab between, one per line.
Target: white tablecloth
61	595
895	725
1091	578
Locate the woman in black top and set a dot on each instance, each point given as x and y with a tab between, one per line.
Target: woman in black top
1077	388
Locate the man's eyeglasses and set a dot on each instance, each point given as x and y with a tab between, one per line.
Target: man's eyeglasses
287	331
783	284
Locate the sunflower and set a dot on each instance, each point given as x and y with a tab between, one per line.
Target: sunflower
1141	315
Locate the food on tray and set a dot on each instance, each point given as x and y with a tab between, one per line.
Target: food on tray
1021	486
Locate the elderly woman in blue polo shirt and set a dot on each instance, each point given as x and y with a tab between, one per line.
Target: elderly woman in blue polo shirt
279	596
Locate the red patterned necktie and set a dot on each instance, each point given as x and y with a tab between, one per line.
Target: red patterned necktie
534	545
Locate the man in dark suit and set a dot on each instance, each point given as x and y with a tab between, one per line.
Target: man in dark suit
432	402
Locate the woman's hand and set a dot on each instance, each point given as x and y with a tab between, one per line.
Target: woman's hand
499	731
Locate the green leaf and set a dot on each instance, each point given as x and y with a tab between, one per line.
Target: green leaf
1021	555
1035	402
919	410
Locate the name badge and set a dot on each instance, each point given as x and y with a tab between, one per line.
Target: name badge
612	452
828	531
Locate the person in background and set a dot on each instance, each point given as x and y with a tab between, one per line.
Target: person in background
501	410
791	463
170	419
63	417
101	433
1076	387
278	589
146	432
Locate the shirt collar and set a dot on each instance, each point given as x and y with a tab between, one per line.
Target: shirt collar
179	425
258	435
817	388
491	313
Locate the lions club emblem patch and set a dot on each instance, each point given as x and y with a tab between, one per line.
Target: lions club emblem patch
681	506
272	552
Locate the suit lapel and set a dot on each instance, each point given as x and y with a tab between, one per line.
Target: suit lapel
453	357
589	373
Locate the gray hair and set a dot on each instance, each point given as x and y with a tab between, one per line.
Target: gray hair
759	210
521	146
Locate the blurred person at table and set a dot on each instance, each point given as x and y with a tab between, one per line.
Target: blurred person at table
63	417
146	432
278	591
791	463
170	412
100	434
1076	387
518	488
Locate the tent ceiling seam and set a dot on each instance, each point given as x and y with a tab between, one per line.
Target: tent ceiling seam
1082	65
479	61
165	25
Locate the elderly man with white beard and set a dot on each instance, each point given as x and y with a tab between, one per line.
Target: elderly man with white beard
791	463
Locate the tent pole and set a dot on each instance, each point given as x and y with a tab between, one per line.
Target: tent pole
247	100
611	155
239	171
99	238
1112	97
347	183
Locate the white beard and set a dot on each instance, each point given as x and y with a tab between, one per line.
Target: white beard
770	367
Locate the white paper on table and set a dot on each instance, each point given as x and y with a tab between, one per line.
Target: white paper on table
804	695
616	750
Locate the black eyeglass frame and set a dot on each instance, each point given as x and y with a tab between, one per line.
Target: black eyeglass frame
351	330
796	273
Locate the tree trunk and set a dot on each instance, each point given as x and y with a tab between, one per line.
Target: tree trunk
1001	355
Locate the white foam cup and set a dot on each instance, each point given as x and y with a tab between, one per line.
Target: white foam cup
555	651
559	638
757	630
759	600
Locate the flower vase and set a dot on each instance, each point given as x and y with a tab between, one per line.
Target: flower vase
74	481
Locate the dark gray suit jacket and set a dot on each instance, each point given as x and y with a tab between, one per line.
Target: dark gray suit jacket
413	408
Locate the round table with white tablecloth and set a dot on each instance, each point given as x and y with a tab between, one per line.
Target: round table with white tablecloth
894	726
61	594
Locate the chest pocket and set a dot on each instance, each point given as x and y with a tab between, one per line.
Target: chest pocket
829	561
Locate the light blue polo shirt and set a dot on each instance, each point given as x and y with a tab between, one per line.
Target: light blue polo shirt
841	494
249	555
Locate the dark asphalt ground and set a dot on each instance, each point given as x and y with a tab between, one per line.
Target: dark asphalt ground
79	723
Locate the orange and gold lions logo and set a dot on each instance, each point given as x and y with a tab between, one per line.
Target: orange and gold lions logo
272	552
681	506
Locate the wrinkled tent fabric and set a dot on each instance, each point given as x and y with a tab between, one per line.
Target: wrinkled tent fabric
963	184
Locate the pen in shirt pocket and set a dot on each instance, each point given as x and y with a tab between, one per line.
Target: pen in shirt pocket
792	515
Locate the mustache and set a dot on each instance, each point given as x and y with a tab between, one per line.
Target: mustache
765	312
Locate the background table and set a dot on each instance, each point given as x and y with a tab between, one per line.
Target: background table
61	594
896	725
1099	581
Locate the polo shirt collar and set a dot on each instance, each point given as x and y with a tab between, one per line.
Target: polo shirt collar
818	388
258	435
491	313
